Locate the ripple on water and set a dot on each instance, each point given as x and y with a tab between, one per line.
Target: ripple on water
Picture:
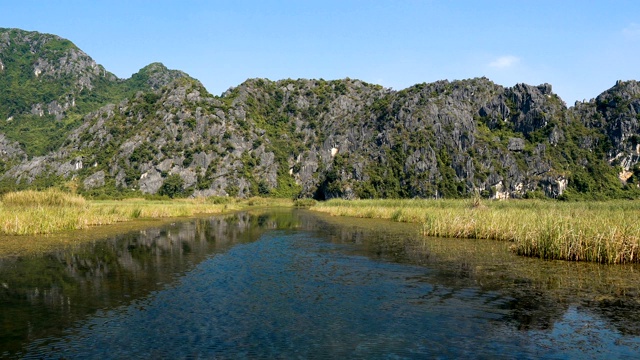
293	294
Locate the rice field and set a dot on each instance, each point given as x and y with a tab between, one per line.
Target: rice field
603	232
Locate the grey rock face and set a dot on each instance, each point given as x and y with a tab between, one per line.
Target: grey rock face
342	138
615	114
10	150
28	170
412	137
95	180
150	181
68	168
516	144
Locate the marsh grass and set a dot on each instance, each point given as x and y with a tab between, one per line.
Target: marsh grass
46	212
31	198
304	203
604	232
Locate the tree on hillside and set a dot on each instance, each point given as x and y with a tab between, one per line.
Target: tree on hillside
172	186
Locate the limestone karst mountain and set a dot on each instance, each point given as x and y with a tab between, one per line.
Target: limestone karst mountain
64	117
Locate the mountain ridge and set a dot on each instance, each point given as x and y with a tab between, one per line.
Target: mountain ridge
339	138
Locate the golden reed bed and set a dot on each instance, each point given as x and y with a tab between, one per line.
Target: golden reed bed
604	232
46	212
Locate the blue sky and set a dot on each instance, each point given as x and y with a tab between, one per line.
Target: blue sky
580	47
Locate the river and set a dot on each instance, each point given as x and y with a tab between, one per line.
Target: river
295	284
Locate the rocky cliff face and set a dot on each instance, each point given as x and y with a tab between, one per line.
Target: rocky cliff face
44	74
616	113
47	84
344	138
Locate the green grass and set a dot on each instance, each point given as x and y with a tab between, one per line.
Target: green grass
603	232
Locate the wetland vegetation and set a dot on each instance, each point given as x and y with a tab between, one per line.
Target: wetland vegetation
604	232
32	214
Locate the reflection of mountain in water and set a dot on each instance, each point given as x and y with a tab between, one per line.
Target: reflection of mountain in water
536	293
45	294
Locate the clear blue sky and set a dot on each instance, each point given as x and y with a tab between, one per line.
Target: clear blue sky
580	47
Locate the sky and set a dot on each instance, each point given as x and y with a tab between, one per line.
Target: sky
580	47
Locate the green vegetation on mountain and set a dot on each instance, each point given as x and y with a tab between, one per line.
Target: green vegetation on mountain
64	117
47	85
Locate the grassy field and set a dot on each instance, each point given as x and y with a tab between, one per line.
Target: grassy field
33	212
604	232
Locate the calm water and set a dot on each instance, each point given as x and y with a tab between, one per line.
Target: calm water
292	284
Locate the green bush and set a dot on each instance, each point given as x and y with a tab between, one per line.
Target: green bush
173	186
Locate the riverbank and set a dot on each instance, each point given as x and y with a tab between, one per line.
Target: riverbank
47	212
603	232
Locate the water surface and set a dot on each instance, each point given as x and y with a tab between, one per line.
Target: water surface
292	284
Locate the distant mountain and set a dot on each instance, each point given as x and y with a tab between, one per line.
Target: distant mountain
341	138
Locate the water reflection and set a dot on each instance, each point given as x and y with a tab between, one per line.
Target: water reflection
43	295
538	292
296	284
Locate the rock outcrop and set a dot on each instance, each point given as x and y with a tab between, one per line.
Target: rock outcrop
341	138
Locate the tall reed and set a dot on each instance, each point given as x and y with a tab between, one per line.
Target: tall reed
31	198
33	212
604	232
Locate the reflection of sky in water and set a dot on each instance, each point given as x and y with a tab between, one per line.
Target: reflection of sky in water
294	295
